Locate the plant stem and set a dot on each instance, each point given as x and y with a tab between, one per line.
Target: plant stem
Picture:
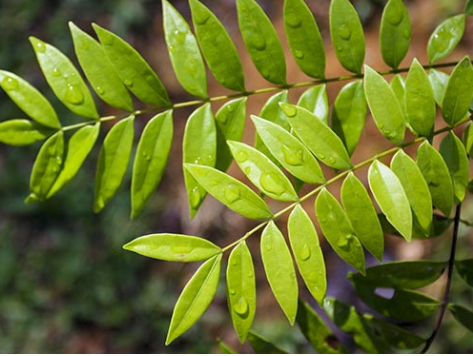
448	285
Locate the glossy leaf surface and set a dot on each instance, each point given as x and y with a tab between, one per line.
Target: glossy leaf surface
455	156
195	298
20	132
315	100
446	37
173	247
439	81
279	268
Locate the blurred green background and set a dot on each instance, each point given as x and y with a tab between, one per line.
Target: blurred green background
65	283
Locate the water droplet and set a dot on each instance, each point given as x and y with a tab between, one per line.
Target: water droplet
74	95
232	291
271	183
179	37
10	84
179	249
201	17
289	110
241	156
195	197
299	54
223	118
293	21
150	79
251	274
232	193
320	156
294	157
241	307
407	33
344	32
395	17
381	126
56	72
339	48
58	160
332	160
247	170
230	108
342	243
171	49
40	46
268	247
258	42
305	253
128	83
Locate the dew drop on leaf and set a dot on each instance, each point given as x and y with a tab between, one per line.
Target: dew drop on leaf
128	83
271	183
291	156
299	54
40	46
232	291
74	95
10	83
305	253
201	18
289	110
195	197
258	42
232	193
100	91
241	307
293	21
241	156
180	37
56	72
344	32
180	249
395	17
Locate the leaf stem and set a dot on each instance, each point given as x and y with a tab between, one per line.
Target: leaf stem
448	285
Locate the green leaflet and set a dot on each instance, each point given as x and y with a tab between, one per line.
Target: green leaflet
445	38
384	106
315	100
469	8
416	189
402	274
150	160
99	70
420	101
338	230
132	69
455	156
195	298
463	315
437	176
173	247
279	268
362	215
304	38
459	93
47	167
224	348
440	225
398	85
230	192
467	139
349	114
263	173
241	286
318	137
20	132
184	52
261	41
230	126
64	79
439	81
306	247
199	147
347	35
395	33
113	161
289	151
79	147
217	47
29	99
391	198
465	270
262	346
315	331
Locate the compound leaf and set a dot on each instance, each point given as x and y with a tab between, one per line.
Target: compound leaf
446	37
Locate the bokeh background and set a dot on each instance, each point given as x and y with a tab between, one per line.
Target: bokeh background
65	283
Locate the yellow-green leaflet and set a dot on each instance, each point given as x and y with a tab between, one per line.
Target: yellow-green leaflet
199	147
184	52
29	99
217	47
304	38
384	106
316	101
445	38
395	33
47	167
230	192
416	188
338	230
362	215
289	151
437	176
262	172
439	81
349	114
347	35
261	41
459	93
318	137
306	247
261	345
132	69
230	126
391	198
173	247
455	156
113	161
195	298
467	139
99	70
64	79
21	132
150	160
420	101
241	289
279	268
79	147
398	85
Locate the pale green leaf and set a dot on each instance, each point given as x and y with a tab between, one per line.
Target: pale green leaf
20	132
398	85
315	100
439	81
445	38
